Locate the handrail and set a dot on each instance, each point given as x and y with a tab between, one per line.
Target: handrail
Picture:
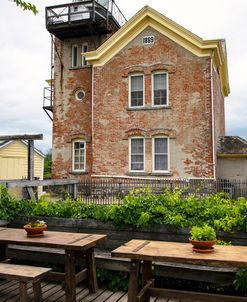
64	13
47	96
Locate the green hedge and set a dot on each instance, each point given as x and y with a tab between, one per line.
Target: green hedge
139	209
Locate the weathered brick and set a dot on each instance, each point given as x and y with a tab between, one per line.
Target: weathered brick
188	120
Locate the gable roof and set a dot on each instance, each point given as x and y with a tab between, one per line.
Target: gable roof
149	17
232	146
6	143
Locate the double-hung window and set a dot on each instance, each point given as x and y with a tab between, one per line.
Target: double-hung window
136	96
79	156
137	154
159	93
78	59
160	154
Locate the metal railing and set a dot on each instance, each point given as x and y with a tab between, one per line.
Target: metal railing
109	191
48	96
113	190
70	12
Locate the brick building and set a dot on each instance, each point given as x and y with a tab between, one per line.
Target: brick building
143	99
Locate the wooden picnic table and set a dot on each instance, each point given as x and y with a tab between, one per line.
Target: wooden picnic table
143	252
76	245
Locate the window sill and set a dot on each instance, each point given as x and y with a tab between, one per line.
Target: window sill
78	172
158	174
161	174
80	67
136	173
147	108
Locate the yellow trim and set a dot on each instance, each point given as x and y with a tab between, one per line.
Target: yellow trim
150	17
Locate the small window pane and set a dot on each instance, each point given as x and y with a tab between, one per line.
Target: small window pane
137	145
161	162
160	145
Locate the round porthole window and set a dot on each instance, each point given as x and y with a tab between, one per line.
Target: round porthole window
79	94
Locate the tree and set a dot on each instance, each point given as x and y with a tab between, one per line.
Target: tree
26	6
47	164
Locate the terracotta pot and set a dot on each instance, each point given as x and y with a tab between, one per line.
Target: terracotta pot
203	246
34	231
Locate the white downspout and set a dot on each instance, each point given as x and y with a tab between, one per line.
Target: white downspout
92	155
213	121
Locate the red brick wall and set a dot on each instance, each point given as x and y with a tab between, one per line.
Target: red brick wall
72	119
187	122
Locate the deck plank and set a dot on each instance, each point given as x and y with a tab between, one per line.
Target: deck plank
124	298
12	288
52	292
116	296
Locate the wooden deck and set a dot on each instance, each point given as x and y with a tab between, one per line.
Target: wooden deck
9	292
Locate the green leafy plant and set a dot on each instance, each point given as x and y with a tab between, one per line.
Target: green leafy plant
222	242
205	233
36	224
139	209
26	6
114	281
48	164
240	281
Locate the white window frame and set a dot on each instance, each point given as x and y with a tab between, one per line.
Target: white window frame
143	79
167	88
130	139
80	59
83	60
73	155
168	155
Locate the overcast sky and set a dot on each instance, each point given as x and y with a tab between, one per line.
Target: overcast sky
25	58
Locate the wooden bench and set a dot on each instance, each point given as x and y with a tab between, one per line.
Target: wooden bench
24	274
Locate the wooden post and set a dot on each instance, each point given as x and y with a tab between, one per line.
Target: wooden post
91	270
70	279
37	291
133	280
30	165
23	291
146	272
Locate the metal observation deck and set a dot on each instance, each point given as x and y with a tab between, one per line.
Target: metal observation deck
83	18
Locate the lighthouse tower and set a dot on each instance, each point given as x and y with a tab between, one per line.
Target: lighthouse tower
75	28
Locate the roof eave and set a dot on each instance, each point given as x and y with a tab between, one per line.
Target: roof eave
150	17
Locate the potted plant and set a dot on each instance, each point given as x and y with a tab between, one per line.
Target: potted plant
35	228
203	238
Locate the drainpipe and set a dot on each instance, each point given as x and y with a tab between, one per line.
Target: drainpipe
92	135
213	121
